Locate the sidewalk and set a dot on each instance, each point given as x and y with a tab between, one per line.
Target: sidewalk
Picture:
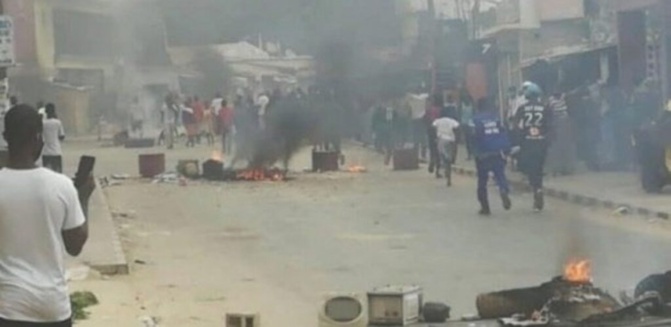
103	251
609	190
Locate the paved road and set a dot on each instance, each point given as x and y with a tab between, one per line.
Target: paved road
277	247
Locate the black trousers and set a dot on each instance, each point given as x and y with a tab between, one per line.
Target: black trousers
54	163
11	323
434	156
532	162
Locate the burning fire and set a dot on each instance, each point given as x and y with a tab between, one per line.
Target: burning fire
260	175
356	169
217	156
578	271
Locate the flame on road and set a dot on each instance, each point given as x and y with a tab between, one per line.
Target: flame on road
357	169
217	156
578	271
260	175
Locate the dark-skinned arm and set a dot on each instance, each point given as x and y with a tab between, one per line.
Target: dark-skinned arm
75	238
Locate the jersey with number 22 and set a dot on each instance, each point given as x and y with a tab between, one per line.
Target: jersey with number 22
533	119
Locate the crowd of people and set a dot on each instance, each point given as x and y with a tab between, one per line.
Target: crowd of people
491	140
238	121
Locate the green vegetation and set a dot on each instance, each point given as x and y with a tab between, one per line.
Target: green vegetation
80	301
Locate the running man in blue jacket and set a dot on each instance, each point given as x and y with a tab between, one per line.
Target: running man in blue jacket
491	145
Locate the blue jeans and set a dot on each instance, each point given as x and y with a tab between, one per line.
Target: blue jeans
495	164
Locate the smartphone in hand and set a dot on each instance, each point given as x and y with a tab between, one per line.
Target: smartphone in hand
86	164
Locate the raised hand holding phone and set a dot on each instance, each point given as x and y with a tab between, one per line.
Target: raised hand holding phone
84	178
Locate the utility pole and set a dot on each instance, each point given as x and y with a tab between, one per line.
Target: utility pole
433	38
474	19
3	70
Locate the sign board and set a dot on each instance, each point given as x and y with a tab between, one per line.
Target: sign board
7	57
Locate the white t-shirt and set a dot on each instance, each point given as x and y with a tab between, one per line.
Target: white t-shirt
169	114
43	113
445	128
35	207
262	102
216	105
52	131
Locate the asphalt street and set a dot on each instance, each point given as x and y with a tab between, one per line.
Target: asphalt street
277	247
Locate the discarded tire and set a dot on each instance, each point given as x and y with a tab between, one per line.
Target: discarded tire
435	312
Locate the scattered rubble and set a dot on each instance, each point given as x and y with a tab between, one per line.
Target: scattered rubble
168	178
120	176
150	321
77	273
128	215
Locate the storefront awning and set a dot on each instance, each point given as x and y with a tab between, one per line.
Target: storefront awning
558	53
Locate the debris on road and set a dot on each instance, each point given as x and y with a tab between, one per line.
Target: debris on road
622	211
120	176
77	273
435	312
169	178
130	214
106	182
150	321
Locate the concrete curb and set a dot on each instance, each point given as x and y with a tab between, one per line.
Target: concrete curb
106	254
579	199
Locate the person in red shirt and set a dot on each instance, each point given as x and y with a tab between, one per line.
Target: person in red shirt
198	114
226	127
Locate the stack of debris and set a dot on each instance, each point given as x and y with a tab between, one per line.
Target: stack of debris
572	300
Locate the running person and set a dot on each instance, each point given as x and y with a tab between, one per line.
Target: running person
447	148
533	121
491	145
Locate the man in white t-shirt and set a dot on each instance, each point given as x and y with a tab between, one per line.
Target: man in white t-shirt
215	106
262	103
41	214
53	134
447	147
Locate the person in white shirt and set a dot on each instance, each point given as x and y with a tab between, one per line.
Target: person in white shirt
41	109
262	103
53	134
215	106
41	214
447	146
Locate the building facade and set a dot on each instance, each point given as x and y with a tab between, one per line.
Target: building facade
87	56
